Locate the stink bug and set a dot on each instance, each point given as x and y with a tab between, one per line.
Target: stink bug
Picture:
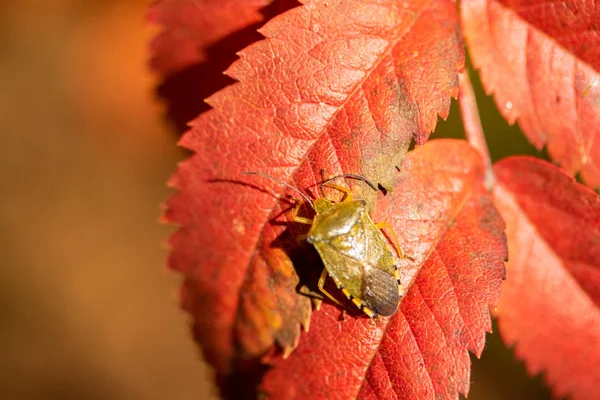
353	249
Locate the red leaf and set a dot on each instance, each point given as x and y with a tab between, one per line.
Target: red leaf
443	214
339	85
541	60
199	41
550	302
191	27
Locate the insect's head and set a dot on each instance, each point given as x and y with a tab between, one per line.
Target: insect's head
322	204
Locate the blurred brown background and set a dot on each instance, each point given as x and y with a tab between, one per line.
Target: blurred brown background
87	307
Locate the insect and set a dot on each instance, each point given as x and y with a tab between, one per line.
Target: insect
356	254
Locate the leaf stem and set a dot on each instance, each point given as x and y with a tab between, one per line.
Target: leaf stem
472	124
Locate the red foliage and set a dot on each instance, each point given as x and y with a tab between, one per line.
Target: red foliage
339	85
444	216
190	28
345	86
541	60
198	42
550	306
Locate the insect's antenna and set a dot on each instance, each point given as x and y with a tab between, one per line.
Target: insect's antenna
305	197
353	176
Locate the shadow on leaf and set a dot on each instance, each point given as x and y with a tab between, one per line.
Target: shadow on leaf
184	91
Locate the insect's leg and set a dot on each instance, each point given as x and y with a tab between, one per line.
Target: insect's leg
347	192
322	289
386	225
348	196
300	220
295	216
394	240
